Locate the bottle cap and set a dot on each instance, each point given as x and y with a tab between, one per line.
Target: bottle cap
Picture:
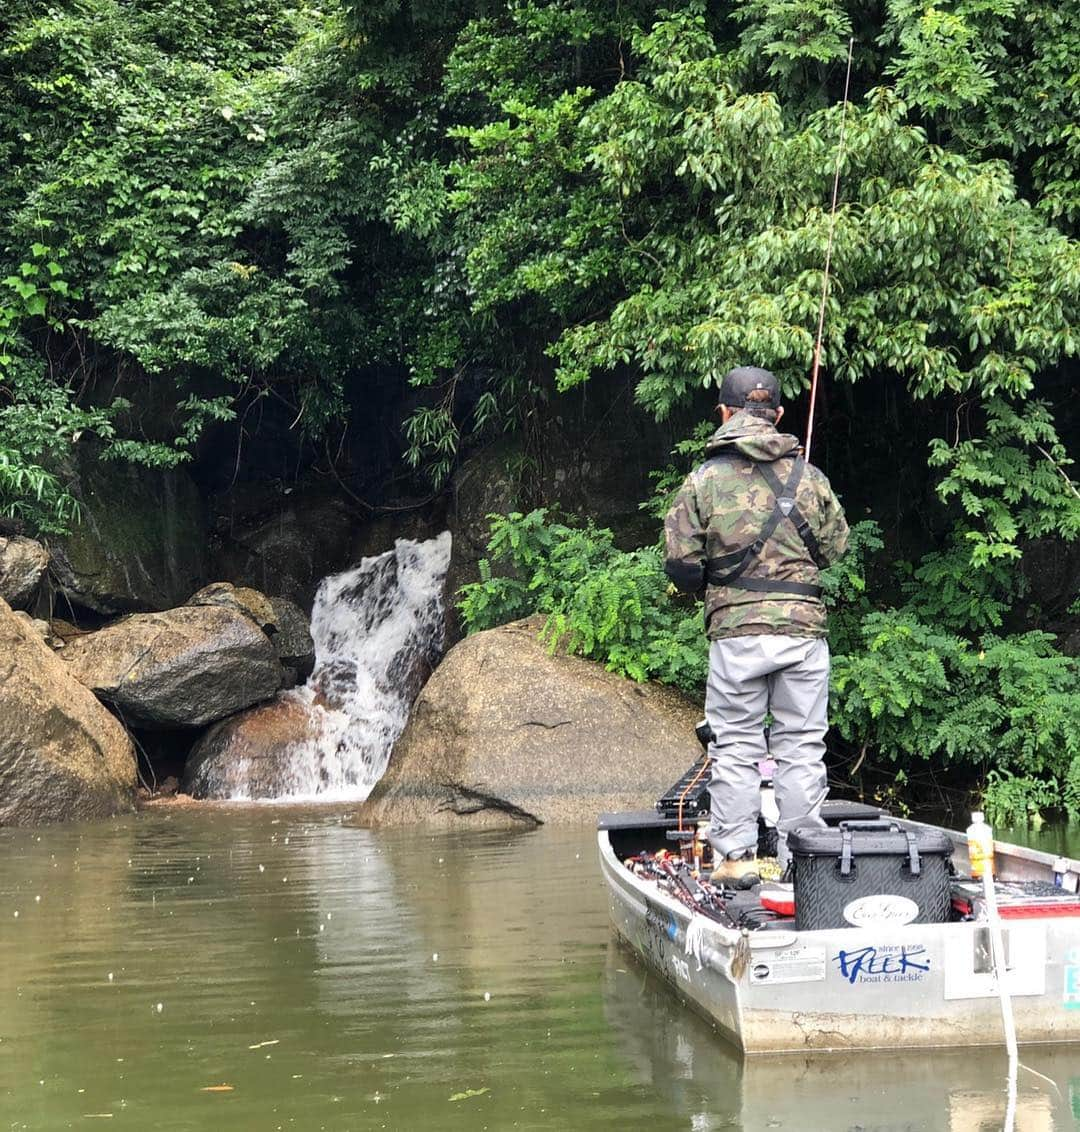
977	815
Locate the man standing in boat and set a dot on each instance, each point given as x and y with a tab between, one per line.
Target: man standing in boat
752	527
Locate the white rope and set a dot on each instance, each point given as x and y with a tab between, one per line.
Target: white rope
1008	1023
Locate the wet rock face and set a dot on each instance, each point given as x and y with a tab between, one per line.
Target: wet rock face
505	734
23	563
292	637
242	756
140	540
185	667
62	755
287	549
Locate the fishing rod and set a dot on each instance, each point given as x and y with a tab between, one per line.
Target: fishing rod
828	255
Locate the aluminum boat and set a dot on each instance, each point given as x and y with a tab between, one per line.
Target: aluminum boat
770	988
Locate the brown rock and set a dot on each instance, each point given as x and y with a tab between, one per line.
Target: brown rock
62	755
243	756
505	733
35	624
23	563
185	667
247	601
65	631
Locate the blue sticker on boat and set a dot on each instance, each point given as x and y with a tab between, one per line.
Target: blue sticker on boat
1071	997
889	963
661	921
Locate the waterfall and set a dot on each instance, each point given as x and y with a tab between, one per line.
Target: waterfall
378	630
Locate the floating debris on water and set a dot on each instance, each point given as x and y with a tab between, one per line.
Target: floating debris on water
469	1093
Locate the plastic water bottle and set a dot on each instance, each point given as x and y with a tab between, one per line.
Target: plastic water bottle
980	839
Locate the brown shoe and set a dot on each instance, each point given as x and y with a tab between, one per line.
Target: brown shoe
737	870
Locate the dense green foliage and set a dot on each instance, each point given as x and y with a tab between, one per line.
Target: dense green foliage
459	208
601	602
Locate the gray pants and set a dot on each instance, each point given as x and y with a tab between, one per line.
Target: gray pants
789	677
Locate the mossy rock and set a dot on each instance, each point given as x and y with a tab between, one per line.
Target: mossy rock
140	542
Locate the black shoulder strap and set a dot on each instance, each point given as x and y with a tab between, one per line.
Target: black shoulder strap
727	569
785	501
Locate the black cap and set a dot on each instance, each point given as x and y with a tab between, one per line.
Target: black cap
741	380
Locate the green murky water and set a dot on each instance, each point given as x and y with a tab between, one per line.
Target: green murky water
334	978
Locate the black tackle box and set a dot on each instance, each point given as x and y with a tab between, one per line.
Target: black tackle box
836	869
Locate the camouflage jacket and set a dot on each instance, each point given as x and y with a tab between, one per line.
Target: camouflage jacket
723	506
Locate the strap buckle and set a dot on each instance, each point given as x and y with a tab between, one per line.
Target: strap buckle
845	853
913	854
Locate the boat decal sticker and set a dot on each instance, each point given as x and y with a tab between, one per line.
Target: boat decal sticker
660	929
969	964
682	968
888	963
661	921
1071	997
792	965
882	910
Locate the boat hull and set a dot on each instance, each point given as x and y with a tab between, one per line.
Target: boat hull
916	986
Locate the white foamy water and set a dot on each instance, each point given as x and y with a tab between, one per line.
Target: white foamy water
378	630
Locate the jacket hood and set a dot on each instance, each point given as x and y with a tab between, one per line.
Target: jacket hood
753	437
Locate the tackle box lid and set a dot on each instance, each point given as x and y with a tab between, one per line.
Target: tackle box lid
869	838
836	810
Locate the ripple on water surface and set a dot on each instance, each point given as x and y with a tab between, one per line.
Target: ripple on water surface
249	969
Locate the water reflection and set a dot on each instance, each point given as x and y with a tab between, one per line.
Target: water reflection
335	978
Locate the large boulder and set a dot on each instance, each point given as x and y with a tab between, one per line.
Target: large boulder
186	667
283	621
246	755
139	542
505	733
23	563
62	755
